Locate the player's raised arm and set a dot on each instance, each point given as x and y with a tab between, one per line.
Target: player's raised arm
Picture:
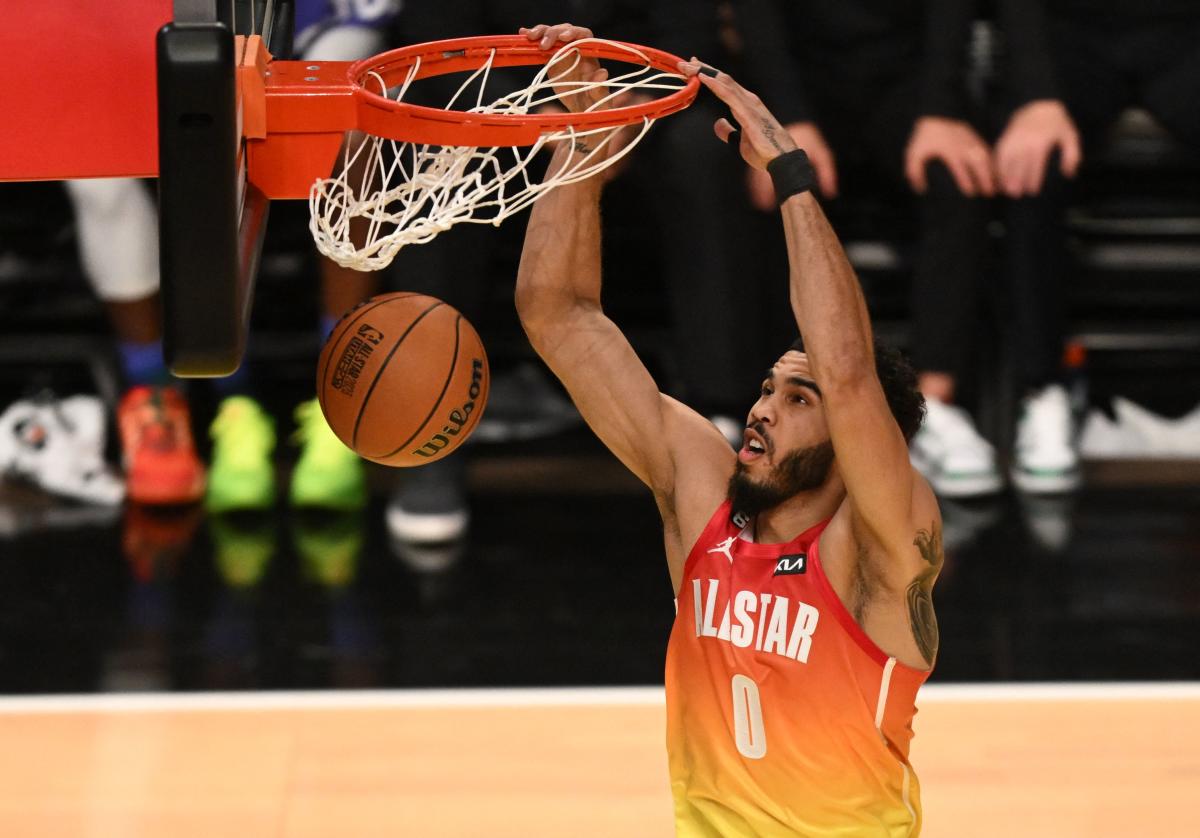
558	300
889	500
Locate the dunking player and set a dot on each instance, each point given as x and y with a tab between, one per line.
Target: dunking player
803	565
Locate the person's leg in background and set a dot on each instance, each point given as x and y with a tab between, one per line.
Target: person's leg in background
1044	454
716	278
118	241
429	503
1094	91
328	474
950	268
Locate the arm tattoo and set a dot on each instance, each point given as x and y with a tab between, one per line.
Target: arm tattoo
920	592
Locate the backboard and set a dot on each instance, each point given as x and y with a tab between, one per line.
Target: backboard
212	220
145	88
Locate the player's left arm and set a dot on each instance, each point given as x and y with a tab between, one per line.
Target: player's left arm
891	504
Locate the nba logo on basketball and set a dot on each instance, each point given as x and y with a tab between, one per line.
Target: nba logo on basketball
355	356
789	565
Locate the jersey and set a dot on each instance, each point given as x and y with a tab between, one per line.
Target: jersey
783	717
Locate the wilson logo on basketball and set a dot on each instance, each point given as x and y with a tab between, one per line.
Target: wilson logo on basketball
354	357
457	419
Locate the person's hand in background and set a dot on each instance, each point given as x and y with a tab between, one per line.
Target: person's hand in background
958	146
1023	151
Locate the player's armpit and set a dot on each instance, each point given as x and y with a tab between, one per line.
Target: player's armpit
649	432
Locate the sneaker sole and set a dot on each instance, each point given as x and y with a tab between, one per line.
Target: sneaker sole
426	529
256	503
337	503
164	498
1047	484
966	486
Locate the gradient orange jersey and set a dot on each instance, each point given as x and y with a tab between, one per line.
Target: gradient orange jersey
783	717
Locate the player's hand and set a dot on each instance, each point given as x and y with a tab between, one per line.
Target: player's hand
582	70
956	144
761	138
577	99
807	136
1033	132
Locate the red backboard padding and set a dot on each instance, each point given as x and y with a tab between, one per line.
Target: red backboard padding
79	88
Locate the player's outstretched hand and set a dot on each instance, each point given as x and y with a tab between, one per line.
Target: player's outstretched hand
761	138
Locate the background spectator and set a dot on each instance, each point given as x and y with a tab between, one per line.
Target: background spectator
1070	69
874	91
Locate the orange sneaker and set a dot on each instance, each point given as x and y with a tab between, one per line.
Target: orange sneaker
161	466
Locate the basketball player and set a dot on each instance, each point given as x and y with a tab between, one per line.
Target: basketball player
803	565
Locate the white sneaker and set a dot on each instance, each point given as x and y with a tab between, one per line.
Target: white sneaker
59	446
953	457
1158	435
1045	460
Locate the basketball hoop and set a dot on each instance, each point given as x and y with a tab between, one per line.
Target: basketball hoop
422	170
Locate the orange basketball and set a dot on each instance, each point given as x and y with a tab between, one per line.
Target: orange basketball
403	379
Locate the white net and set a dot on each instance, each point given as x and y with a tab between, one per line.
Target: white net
389	193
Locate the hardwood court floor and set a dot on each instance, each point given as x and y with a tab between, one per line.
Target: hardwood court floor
994	761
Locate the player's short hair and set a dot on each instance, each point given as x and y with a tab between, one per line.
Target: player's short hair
899	386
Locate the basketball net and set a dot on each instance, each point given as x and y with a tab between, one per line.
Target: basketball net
405	193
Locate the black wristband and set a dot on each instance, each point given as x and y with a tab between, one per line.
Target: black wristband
791	173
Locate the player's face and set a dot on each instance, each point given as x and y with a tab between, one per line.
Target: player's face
786	447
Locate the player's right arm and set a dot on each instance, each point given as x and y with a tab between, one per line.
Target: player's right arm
558	300
669	447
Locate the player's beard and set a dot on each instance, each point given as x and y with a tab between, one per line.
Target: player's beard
799	471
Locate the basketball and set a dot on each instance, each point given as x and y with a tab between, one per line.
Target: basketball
403	379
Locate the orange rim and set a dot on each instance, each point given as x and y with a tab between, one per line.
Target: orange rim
400	121
297	112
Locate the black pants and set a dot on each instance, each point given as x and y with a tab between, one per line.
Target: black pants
1103	68
868	127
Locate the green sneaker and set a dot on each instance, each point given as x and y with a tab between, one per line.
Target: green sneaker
328	475
242	475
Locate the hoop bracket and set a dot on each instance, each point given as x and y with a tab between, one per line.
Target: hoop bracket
306	108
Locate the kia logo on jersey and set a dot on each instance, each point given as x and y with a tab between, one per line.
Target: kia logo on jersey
788	565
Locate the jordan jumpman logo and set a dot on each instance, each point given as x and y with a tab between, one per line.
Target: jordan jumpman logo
725	547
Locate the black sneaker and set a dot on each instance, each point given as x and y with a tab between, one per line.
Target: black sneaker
523	405
430	506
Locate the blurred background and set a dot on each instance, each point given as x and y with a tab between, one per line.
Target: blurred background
179	536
